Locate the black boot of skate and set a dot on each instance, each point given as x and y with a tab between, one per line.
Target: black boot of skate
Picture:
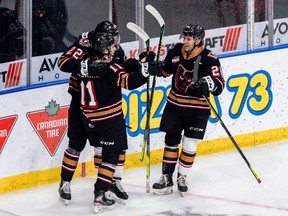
102	203
65	192
182	184
117	192
164	185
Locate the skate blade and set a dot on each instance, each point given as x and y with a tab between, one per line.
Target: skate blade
181	193
64	201
102	208
113	196
164	191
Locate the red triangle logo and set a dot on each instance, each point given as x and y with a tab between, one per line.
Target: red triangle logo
6	125
50	125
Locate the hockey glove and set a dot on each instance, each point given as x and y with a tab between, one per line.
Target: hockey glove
147	56
92	68
87	35
155	68
143	69
206	85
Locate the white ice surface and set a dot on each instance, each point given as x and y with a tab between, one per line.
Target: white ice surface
219	185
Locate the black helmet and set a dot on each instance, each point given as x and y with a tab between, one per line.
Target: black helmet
195	31
103	41
108	27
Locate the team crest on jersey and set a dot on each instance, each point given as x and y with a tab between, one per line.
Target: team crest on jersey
176	59
183	79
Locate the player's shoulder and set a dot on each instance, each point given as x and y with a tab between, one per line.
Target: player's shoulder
176	49
178	46
120	51
209	55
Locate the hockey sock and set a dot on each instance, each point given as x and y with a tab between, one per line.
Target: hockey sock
69	164
170	158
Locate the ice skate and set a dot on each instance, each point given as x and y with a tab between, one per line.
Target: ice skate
65	192
117	192
182	184
164	185
102	203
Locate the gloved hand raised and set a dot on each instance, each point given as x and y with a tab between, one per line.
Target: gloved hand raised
206	85
151	68
147	56
93	68
155	68
143	69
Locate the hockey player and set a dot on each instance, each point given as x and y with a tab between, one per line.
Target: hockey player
116	190
101	105
76	133
186	109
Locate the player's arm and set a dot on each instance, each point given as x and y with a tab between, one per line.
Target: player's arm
69	61
131	79
213	80
136	72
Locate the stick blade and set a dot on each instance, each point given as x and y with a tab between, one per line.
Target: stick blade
137	30
156	14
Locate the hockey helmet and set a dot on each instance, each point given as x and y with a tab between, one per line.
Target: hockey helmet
109	27
195	31
103	41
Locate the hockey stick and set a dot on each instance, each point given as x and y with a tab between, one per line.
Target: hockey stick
145	37
195	78
140	32
161	22
146	140
233	140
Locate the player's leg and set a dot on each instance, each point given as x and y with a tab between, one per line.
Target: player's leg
104	179
77	141
171	123
110	159
97	157
169	161
186	160
194	131
116	190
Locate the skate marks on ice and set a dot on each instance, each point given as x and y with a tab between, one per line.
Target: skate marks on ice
6	213
195	205
219	185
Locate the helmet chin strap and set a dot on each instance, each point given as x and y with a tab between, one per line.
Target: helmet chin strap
189	52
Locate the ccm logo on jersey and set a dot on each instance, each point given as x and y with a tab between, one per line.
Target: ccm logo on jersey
196	129
106	143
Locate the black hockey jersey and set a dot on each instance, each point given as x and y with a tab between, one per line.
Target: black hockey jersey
84	47
101	98
183	95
